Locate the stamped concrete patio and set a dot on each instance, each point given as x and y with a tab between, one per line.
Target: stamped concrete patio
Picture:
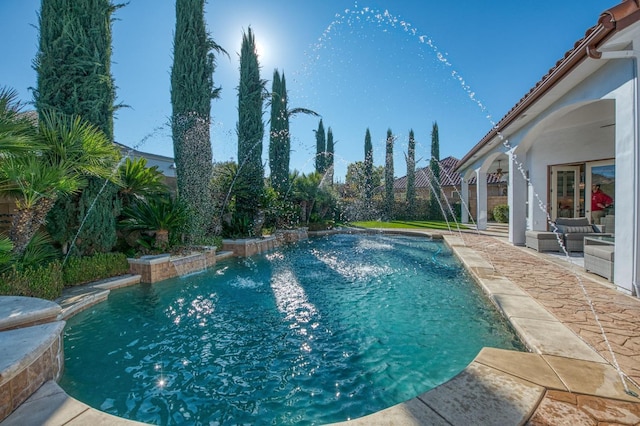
567	379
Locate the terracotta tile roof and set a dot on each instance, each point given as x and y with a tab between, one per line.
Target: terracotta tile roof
610	22
448	176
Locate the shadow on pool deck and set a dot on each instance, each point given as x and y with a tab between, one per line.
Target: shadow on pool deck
567	379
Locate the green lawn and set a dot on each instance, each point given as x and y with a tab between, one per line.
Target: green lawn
408	224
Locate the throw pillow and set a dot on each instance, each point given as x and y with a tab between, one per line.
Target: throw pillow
579	229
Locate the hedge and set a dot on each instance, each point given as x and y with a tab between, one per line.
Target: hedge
47	282
44	282
82	270
501	213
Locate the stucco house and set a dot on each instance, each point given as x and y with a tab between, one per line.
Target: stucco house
578	127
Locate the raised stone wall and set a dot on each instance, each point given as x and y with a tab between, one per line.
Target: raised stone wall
162	267
252	246
29	357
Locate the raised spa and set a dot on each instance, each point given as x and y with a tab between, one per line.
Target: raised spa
329	329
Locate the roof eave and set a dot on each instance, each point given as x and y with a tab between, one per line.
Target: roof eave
611	21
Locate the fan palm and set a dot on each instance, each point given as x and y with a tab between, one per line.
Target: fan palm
136	181
67	151
163	215
16	127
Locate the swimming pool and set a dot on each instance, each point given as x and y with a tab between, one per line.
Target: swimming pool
329	329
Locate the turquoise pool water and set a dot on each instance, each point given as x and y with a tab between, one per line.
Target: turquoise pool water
323	331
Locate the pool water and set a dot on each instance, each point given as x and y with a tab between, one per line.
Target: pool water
327	330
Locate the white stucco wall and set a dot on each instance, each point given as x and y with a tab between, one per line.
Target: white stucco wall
596	120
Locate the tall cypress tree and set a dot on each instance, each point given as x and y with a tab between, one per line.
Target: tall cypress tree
321	148
192	90
368	170
434	206
73	62
279	138
388	176
250	133
73	66
329	156
411	174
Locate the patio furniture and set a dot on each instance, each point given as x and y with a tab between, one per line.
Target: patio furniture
599	256
542	241
609	224
574	230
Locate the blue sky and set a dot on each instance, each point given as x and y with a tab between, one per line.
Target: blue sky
360	64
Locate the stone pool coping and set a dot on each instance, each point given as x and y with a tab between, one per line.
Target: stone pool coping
499	387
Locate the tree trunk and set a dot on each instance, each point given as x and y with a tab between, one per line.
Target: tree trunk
162	239
26	222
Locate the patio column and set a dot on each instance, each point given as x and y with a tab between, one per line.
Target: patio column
481	199
464	196
517	196
627	197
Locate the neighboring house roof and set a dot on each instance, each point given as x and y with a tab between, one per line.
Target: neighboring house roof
610	22
448	176
166	165
31	115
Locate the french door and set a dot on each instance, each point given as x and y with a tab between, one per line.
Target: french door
565	192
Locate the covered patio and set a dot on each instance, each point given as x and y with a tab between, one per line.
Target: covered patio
569	149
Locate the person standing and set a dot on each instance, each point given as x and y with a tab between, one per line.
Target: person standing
599	202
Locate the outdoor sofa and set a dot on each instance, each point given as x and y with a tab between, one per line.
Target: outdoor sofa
571	231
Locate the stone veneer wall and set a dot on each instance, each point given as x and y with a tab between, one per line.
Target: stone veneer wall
251	246
161	267
29	357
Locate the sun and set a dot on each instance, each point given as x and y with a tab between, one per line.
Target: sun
261	50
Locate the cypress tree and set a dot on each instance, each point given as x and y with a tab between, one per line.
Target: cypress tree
192	90
250	133
411	174
321	148
329	156
279	140
434	165
368	170
73	66
279	136
388	176
73	62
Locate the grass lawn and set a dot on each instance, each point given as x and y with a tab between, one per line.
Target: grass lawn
409	224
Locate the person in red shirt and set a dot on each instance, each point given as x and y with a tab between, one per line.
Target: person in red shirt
599	202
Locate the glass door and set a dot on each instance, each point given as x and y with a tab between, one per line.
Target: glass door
601	181
565	191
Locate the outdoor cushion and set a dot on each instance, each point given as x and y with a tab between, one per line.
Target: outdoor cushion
587	229
572	221
563	224
542	235
600	251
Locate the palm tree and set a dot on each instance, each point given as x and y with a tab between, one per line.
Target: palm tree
16	127
137	181
68	151
162	215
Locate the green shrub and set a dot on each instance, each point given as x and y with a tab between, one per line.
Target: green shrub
81	270
45	282
501	213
